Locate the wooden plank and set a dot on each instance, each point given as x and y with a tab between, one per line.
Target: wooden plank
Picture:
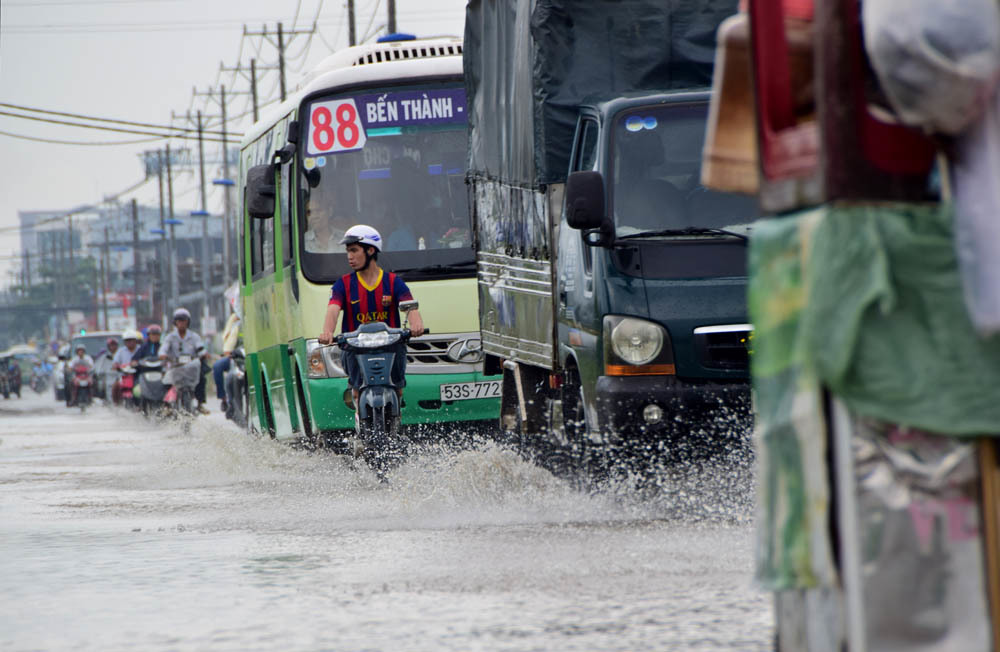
990	482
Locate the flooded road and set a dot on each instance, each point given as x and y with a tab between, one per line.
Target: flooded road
119	534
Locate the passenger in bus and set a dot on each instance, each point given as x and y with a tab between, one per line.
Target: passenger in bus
320	237
367	294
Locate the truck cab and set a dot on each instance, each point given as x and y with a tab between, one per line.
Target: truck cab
650	275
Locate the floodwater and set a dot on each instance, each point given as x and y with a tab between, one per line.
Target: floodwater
121	534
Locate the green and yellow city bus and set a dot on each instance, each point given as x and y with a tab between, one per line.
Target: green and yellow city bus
376	135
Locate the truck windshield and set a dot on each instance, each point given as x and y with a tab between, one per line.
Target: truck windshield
656	172
393	159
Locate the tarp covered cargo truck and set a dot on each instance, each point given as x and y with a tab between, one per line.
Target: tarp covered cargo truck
616	316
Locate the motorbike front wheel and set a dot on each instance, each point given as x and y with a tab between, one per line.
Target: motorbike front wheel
381	437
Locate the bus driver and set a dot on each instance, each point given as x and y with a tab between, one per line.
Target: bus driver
367	294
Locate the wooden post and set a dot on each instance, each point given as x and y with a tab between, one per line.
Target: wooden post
989	470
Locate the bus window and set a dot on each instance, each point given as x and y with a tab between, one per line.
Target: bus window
285	203
268	254
405	178
256	260
241	254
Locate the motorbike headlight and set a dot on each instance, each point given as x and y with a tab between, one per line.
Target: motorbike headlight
375	340
636	341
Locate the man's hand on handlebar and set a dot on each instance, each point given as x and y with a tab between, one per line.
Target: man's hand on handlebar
416	324
326	337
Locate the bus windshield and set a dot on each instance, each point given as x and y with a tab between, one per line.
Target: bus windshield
657	177
393	159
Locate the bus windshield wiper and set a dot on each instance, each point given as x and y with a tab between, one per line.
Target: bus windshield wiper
688	230
448	267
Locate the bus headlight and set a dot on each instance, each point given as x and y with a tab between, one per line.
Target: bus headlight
636	341
323	361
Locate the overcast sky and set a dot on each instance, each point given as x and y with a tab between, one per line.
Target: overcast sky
139	61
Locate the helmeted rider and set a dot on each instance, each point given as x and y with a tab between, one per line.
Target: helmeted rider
367	294
150	348
82	358
123	356
184	341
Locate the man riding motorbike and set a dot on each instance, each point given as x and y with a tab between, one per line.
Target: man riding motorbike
123	358
368	294
230	340
184	341
81	360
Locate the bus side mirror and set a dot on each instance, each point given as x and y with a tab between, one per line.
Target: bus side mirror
260	191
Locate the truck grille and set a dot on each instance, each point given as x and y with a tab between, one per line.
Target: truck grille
724	347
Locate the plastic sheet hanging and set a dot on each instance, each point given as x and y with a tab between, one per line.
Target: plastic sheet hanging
921	541
937	61
976	179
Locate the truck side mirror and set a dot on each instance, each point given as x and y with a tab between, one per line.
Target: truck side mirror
260	191
585	208
585	199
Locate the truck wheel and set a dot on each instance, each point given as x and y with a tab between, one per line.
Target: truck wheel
589	460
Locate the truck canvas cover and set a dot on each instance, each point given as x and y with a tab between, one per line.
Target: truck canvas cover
529	64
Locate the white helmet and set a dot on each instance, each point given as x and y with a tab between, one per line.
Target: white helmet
362	234
181	313
131	335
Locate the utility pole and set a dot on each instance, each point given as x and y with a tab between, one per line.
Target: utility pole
227	237
227	214
391	25
163	238
281	59
173	243
27	269
251	76
253	89
281	50
206	262
352	36
104	276
135	259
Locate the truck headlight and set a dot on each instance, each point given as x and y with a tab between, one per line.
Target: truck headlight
323	361
636	347
636	341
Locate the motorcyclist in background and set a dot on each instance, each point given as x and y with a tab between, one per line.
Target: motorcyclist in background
123	357
184	341
230	340
81	358
150	348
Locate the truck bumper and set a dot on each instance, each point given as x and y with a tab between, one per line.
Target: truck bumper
713	410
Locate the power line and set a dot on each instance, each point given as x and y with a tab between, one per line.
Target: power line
75	3
53	141
70	28
77	210
98	119
114	129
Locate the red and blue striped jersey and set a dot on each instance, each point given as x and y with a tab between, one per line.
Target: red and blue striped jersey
362	304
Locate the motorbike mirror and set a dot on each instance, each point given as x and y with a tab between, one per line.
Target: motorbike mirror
407	306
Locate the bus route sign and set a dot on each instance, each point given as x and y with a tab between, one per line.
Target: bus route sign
342	125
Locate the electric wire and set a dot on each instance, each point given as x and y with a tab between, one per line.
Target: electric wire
76	211
53	141
102	128
91	118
